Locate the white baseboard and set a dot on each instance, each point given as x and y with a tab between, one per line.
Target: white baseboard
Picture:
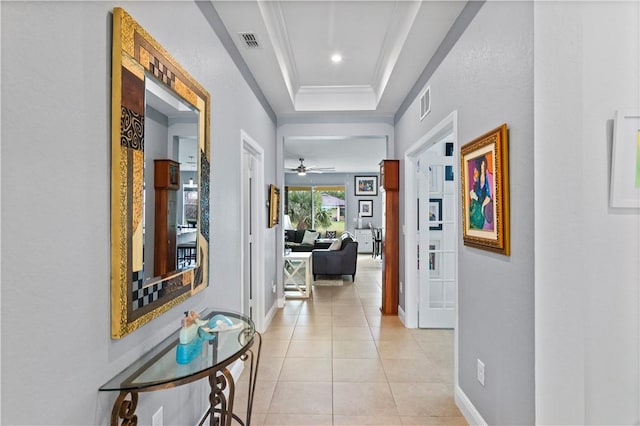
468	410
401	315
236	369
267	320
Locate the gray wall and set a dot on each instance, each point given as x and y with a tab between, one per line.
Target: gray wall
56	103
488	79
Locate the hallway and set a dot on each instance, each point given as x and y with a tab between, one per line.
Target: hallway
335	360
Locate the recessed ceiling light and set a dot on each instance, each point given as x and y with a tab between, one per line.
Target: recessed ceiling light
336	58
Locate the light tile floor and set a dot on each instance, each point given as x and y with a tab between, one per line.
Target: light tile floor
335	360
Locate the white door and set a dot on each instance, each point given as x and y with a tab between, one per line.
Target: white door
437	244
248	226
253	199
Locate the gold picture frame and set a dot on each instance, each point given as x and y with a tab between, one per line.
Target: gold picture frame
274	205
484	166
137	294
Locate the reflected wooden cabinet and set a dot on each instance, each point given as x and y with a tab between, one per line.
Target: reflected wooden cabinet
166	184
389	187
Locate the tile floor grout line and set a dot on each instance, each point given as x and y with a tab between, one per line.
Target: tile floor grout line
340	297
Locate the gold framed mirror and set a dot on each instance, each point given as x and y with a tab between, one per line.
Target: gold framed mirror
160	141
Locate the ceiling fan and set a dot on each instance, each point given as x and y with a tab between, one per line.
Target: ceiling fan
302	170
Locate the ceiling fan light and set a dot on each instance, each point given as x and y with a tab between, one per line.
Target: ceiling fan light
302	173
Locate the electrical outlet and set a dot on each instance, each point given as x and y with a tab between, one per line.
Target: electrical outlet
481	372
156	420
273	287
401	287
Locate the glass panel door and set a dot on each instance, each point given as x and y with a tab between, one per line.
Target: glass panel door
437	238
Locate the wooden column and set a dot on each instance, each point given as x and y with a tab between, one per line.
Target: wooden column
390	186
166	183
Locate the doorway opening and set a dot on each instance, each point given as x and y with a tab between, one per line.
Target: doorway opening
431	228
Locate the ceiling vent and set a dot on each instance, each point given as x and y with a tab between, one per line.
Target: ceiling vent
250	40
425	103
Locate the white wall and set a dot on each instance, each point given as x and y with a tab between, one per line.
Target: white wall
587	57
488	78
56	103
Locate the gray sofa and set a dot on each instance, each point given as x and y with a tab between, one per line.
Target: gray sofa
336	262
293	241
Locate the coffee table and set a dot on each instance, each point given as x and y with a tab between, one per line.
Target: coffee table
297	275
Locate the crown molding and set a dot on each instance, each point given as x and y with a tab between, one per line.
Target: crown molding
335	98
277	29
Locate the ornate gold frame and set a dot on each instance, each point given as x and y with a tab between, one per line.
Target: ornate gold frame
274	205
134	52
492	148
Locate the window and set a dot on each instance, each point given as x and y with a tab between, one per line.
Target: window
316	207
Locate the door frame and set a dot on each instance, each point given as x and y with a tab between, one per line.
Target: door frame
250	147
449	125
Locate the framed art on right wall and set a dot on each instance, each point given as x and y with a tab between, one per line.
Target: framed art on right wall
625	161
484	166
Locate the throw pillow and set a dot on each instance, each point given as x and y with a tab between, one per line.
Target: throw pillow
330	234
336	245
309	238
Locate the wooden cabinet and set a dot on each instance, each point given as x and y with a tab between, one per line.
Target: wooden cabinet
166	184
365	240
166	174
390	175
389	187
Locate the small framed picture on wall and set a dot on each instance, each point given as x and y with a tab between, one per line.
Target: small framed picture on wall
274	205
366	185
365	208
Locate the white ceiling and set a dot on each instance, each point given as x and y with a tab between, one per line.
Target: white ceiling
344	154
385	46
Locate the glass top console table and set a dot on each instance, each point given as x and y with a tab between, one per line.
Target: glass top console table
159	369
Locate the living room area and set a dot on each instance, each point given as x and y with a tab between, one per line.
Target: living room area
328	229
326	262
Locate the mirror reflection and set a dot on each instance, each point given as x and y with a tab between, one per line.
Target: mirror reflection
171	174
160	179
